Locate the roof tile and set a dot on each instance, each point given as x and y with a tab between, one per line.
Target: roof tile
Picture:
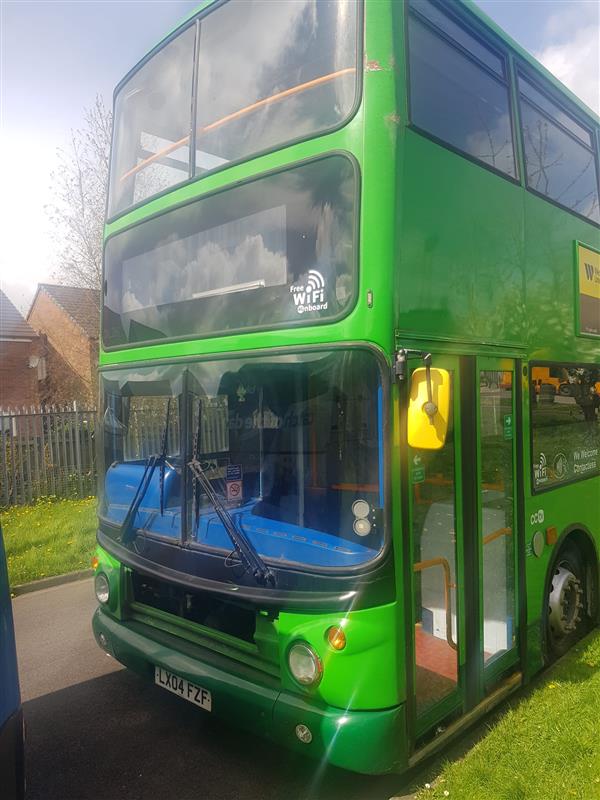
12	322
80	303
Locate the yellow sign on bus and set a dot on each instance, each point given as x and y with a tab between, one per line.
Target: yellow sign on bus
588	272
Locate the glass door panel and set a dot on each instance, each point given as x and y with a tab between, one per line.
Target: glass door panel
434	553
496	499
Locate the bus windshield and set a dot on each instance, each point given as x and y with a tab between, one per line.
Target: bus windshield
291	444
247	77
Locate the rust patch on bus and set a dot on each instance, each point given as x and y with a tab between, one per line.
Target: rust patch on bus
373	66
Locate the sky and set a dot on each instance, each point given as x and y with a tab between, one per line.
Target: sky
56	55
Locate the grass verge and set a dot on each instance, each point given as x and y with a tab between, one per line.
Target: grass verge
49	538
545	747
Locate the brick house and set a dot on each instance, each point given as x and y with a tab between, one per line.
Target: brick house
22	359
69	319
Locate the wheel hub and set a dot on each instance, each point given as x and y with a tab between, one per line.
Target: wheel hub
565	602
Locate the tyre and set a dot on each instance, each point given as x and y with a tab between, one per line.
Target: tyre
566	615
565	389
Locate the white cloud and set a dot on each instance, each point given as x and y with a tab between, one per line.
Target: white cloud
26	247
574	56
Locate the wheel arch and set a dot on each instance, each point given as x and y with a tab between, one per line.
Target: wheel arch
581	537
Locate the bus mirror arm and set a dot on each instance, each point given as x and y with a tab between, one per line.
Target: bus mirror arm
400	361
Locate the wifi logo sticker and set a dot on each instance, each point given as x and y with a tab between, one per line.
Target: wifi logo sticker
540	470
310	296
315	282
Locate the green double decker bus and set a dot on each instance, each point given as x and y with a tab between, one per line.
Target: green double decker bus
350	372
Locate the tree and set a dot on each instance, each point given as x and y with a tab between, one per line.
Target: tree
80	185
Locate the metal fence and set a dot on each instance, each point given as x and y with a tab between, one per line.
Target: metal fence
46	451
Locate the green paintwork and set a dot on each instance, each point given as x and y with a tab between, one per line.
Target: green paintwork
368	663
364	741
115	574
461	262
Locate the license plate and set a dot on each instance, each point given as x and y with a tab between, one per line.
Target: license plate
189	691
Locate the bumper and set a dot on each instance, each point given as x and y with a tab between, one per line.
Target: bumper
363	741
12	773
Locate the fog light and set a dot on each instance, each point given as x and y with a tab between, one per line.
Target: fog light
303	733
102	588
336	637
305	665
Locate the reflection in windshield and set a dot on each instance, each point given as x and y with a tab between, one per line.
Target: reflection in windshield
289	444
267	73
216	262
276	250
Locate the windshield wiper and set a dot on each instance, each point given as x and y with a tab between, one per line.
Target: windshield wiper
152	462
243	546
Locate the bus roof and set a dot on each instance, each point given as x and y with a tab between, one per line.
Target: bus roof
470	6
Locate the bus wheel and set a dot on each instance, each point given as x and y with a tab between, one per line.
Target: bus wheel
566	619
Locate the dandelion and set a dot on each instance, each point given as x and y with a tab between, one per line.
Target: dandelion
446	793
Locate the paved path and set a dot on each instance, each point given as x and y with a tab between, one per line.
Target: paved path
95	731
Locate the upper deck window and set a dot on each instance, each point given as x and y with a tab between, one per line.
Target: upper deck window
458	88
559	153
279	250
266	74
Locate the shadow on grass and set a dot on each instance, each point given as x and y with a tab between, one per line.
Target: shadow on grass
120	737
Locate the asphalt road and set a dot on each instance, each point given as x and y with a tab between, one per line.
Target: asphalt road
95	731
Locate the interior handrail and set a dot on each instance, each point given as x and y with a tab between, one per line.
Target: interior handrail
497	534
443	563
274	98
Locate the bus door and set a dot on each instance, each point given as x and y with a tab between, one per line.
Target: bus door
462	537
436	528
496	512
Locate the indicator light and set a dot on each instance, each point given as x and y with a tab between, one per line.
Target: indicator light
336	637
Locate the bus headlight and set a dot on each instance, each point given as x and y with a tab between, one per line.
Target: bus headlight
102	588
361	527
305	665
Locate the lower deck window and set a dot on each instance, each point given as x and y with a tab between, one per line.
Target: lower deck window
565	418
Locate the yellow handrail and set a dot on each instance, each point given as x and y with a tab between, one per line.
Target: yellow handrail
240	113
497	534
443	563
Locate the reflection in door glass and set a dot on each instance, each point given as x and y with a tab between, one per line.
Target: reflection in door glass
496	435
434	565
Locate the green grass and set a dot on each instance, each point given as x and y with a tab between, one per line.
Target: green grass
49	538
545	747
